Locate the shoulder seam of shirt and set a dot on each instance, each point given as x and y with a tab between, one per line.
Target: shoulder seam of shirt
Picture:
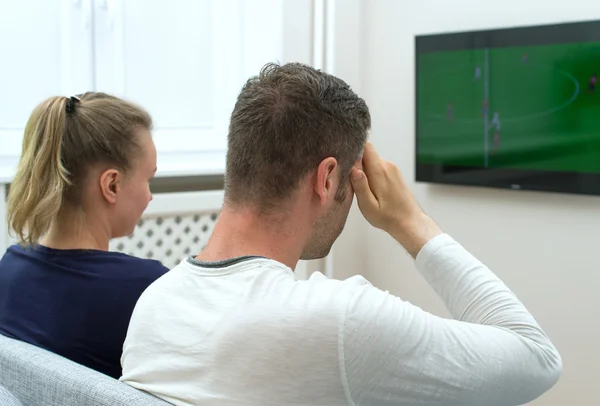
342	357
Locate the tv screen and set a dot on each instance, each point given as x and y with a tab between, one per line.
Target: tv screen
511	108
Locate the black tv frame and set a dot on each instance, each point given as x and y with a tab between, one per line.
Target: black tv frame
503	178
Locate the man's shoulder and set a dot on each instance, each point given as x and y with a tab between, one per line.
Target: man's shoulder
255	286
321	292
318	280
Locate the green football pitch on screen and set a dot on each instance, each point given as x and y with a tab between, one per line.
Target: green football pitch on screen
534	107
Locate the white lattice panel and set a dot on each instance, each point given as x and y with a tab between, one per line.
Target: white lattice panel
168	239
174	226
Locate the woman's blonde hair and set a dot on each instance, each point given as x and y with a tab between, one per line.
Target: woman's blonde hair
63	139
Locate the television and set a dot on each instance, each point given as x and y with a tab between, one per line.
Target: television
514	108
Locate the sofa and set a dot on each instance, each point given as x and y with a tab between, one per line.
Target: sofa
31	376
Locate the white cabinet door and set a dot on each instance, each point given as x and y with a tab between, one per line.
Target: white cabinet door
45	50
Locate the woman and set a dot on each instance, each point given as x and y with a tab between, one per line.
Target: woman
83	179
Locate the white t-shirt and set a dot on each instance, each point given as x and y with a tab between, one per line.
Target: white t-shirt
247	332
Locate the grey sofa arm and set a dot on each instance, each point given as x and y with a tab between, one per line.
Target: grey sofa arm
35	377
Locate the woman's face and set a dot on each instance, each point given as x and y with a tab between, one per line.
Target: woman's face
134	191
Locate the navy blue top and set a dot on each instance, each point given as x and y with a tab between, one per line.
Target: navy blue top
75	303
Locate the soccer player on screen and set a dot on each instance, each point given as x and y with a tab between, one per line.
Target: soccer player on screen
496	142
477	73
450	112
593	81
524	59
484	108
495	124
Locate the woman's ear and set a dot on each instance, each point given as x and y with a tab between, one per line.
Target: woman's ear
323	185
110	185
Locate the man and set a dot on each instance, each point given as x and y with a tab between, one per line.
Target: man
233	326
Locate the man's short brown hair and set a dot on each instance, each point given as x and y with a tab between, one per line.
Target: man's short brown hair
285	122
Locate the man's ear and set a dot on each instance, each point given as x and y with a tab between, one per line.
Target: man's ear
324	181
110	185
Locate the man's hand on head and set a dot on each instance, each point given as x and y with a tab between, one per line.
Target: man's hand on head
388	204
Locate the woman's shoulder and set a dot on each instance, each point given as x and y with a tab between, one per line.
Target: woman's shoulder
92	261
149	267
124	267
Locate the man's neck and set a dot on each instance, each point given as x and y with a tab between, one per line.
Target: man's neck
240	232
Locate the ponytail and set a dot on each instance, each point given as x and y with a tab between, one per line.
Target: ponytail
37	190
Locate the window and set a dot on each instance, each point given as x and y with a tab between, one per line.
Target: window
183	60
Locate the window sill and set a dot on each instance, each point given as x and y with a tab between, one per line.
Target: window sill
170	164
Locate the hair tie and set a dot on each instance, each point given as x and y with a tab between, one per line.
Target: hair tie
71	104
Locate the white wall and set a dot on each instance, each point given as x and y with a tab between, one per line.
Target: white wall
546	247
343	58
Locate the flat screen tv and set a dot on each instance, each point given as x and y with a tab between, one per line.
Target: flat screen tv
511	108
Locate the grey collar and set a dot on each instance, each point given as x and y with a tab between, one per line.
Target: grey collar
223	263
